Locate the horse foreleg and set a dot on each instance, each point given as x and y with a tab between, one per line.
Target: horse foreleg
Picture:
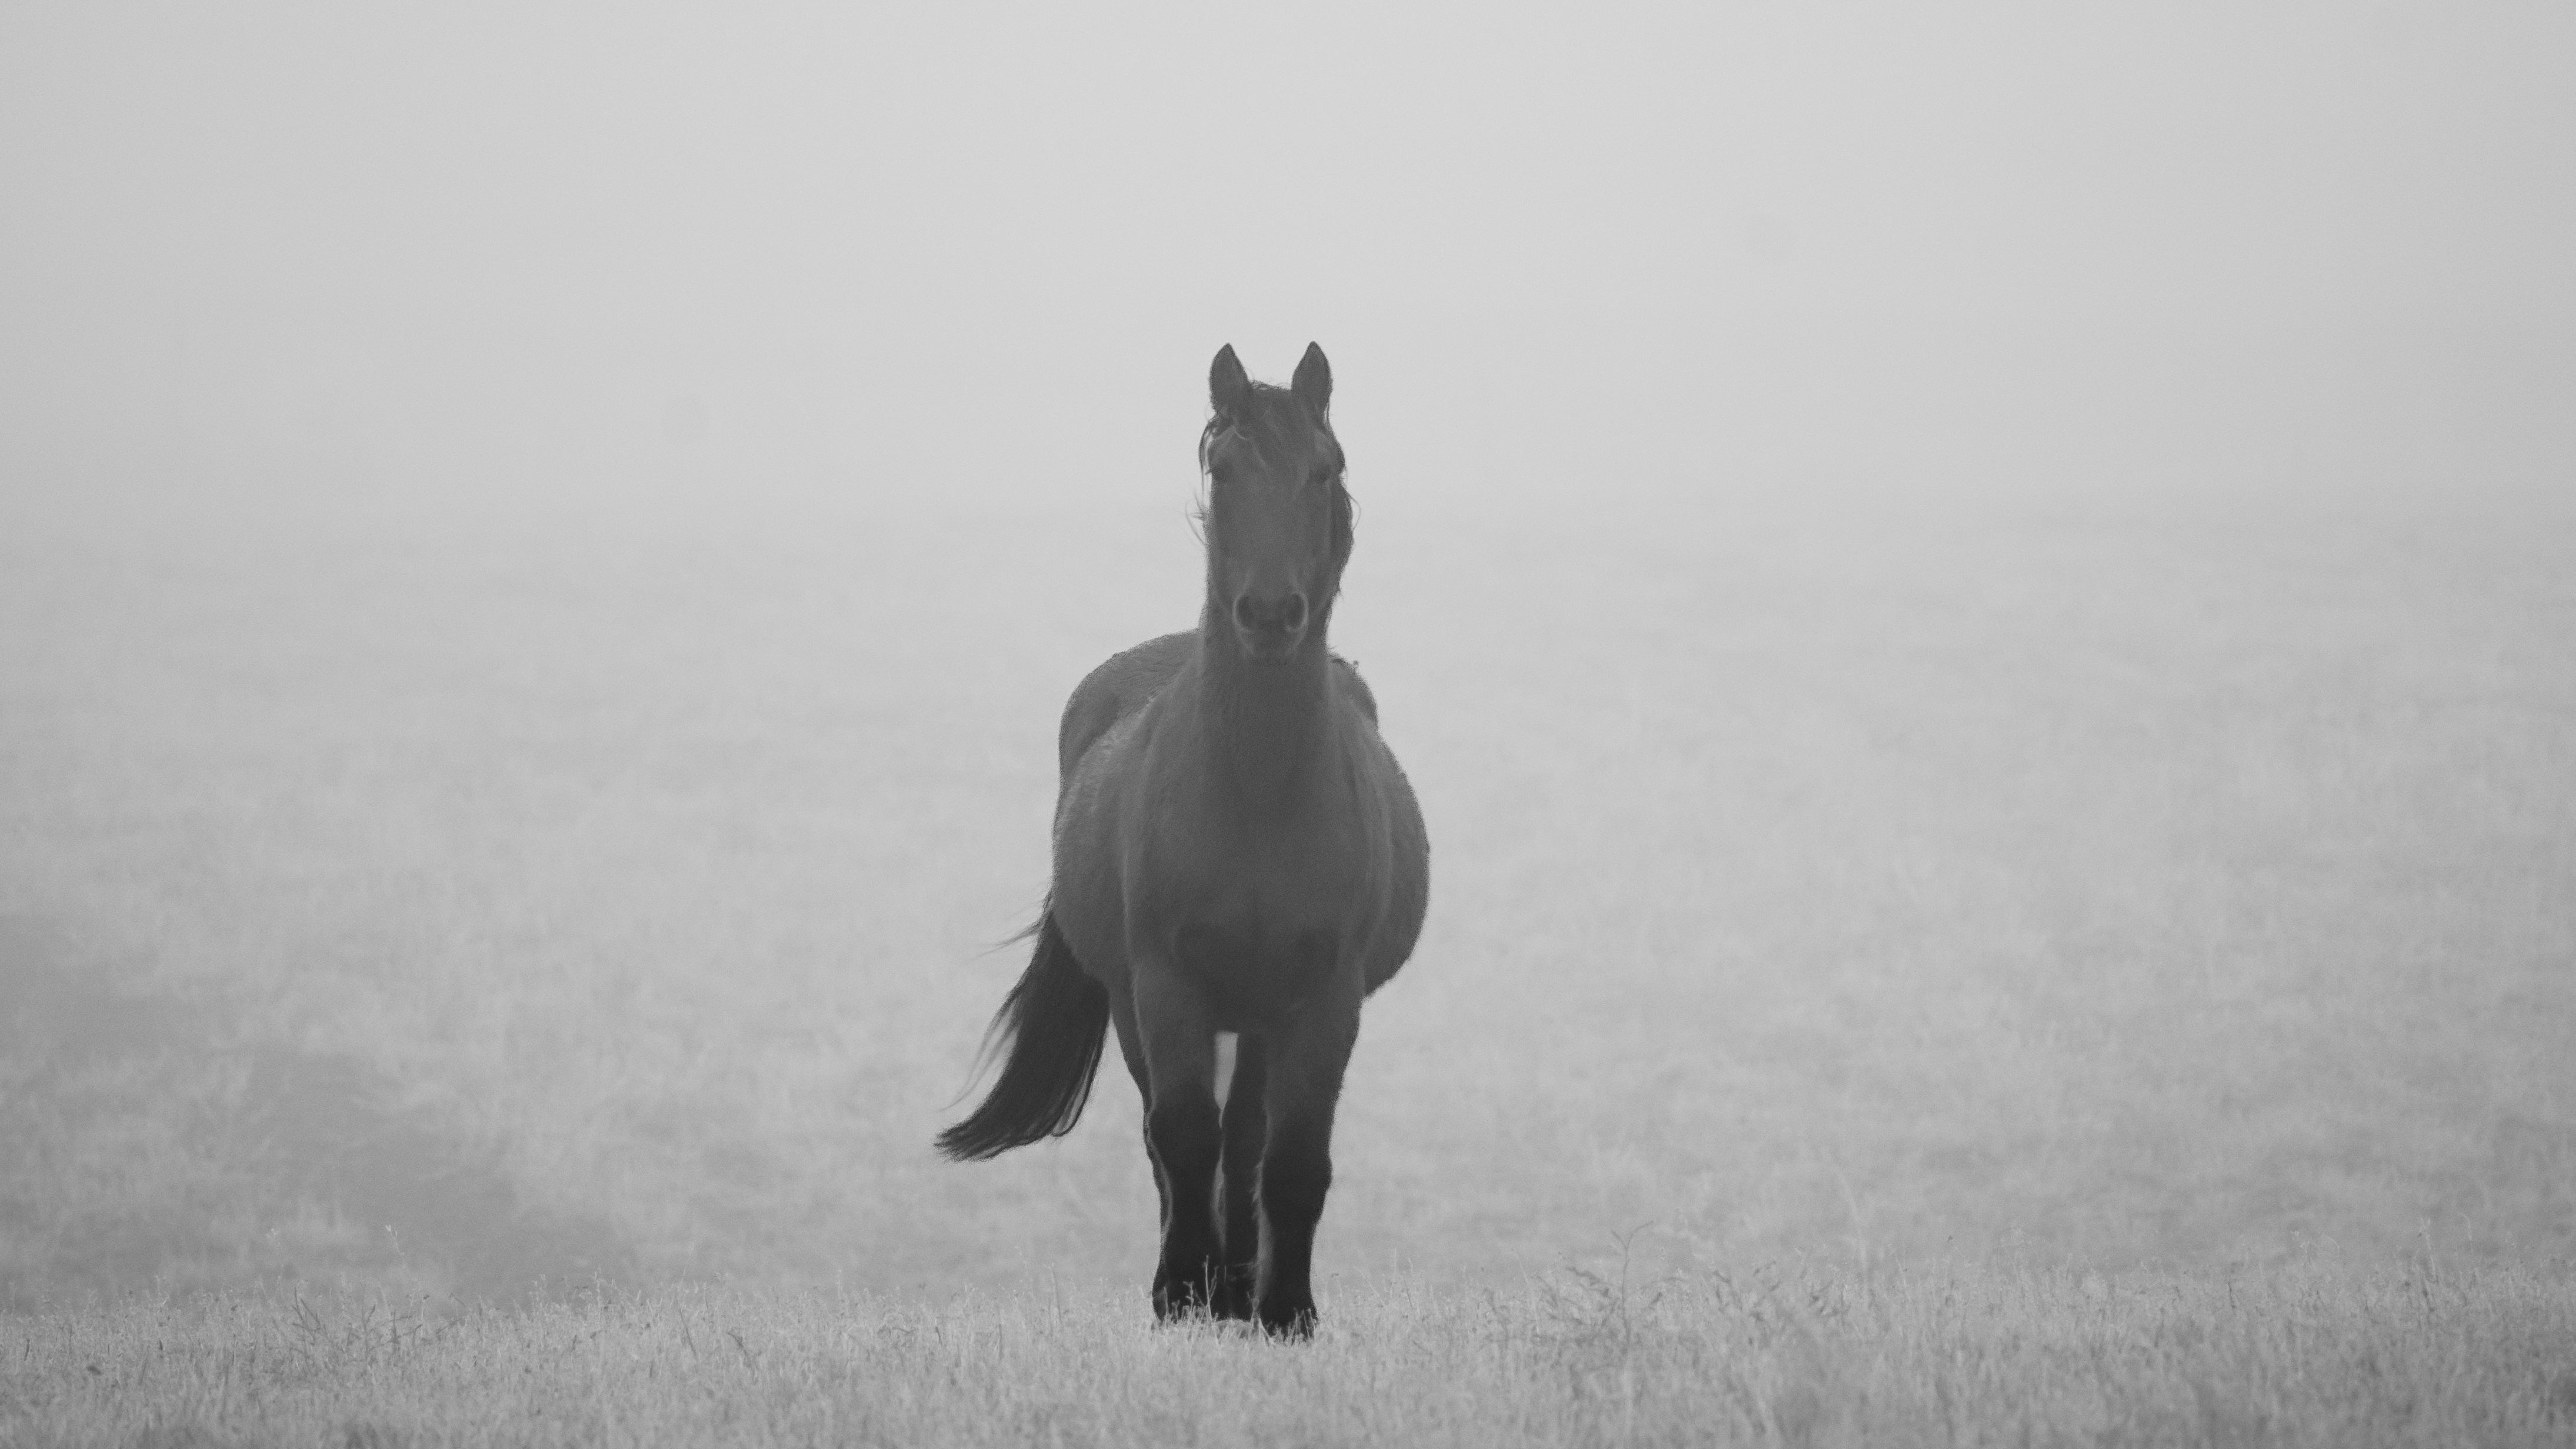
1183	1133
1305	1081
1246	1130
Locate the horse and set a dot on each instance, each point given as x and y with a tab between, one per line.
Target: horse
1239	862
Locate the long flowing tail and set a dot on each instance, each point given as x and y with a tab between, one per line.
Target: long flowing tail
1053	1023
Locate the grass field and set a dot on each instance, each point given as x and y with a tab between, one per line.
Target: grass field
450	900
2114	945
1938	1354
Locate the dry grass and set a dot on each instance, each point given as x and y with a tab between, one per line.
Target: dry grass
1936	1354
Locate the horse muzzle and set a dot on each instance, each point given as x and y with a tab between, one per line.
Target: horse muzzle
1270	628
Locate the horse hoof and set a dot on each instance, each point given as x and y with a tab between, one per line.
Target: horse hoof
1175	1303
1234	1297
1296	1324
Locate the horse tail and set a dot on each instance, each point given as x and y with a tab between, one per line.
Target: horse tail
1049	1032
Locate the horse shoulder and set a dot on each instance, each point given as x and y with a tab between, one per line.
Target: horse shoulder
1121	685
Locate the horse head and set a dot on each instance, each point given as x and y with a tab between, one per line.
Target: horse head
1278	519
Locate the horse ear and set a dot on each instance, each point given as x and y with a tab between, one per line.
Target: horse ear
1226	382
1314	381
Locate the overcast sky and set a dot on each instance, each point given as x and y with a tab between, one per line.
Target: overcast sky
551	244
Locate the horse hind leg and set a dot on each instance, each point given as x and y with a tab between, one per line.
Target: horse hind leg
1246	1129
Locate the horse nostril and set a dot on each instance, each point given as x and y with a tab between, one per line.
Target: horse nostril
1288	614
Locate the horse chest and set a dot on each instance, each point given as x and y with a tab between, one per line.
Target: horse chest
1294	873
1263	910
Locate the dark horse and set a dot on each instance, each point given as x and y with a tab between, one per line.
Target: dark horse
1235	852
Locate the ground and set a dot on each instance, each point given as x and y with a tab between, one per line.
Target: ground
422	905
1937	1354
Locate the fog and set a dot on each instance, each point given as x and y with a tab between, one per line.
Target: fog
573	251
542	547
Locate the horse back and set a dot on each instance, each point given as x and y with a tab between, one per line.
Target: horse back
1356	688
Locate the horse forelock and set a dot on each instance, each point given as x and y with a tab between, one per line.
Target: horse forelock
1271	421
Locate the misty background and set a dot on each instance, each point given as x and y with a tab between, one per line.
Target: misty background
1978	602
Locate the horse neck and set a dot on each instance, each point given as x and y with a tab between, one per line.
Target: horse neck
1267	721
